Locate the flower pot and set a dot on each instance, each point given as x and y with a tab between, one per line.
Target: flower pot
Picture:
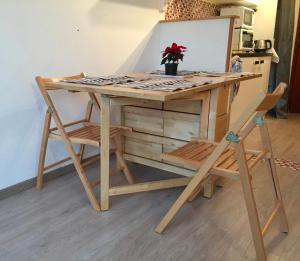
171	68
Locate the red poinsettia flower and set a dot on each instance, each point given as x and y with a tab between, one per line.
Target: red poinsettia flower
173	54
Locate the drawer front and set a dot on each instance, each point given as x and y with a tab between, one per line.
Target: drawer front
181	126
143	120
184	106
143	148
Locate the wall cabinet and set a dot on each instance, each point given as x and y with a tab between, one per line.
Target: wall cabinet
248	89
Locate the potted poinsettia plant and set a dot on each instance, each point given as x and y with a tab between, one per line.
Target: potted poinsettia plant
171	56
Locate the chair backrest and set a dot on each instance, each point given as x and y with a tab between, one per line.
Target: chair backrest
42	81
268	102
272	99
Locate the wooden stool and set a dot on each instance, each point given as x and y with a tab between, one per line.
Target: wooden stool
83	132
230	159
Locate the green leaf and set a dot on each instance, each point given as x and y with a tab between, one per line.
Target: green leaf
163	60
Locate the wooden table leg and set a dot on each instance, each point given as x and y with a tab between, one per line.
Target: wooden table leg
104	176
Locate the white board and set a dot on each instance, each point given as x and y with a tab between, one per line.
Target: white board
206	40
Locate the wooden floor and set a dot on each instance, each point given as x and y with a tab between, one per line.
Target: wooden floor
58	223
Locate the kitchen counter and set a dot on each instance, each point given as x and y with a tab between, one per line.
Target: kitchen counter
247	54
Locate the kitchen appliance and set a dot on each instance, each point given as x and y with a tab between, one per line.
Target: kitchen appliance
245	14
242	40
262	45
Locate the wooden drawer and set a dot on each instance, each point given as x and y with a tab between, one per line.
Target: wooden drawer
143	120
181	125
184	106
143	148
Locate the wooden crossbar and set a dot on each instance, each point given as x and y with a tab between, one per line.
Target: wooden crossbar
258	158
149	186
270	219
69	124
57	163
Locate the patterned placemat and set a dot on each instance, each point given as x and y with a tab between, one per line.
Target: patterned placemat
180	73
224	74
103	80
154	84
165	85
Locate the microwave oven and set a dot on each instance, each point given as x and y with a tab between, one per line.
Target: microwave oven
242	40
245	14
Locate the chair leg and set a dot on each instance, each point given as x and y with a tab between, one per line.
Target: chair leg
119	142
196	192
272	166
122	162
81	152
284	227
184	197
250	203
84	180
202	187
87	186
44	144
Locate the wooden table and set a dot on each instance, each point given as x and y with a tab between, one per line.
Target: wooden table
215	99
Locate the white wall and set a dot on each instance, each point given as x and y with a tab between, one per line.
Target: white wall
59	37
265	19
55	37
206	40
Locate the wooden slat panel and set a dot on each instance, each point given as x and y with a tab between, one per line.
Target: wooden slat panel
199	149
224	157
143	148
204	154
181	125
144	120
185	148
184	106
182	162
171	147
226	164
155	139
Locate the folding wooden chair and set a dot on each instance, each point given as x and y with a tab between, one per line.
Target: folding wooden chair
230	159
82	132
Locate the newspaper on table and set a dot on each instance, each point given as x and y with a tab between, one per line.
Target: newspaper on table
224	74
167	85
102	81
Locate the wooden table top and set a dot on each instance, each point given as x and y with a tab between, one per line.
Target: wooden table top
114	90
